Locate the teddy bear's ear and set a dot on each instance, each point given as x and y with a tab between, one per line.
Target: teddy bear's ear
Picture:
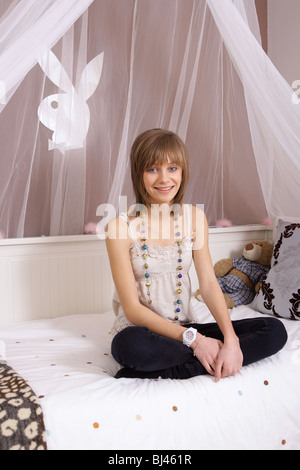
266	253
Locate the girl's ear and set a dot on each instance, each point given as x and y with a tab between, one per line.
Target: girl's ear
55	71
90	77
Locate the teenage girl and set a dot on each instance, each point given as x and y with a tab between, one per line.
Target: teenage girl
151	249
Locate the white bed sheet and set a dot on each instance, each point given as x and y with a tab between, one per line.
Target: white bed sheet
68	364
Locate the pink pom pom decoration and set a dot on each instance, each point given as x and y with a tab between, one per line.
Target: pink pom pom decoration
223	223
267	221
90	228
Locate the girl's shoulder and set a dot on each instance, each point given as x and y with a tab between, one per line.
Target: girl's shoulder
199	227
118	228
197	216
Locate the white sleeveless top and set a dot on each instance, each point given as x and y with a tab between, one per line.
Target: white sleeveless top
162	265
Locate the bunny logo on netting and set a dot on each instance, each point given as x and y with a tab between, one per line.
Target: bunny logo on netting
68	114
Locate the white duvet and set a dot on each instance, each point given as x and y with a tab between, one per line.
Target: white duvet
68	364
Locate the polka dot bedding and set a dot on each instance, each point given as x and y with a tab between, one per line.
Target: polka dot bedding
67	363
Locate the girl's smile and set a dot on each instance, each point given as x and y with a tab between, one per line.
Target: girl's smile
165	190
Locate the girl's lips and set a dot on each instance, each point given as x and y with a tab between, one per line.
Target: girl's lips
165	190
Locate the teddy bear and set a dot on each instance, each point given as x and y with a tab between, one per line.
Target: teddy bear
240	278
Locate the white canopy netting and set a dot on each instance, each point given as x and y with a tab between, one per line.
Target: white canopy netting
80	79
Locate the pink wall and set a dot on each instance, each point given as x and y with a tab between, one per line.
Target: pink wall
262	13
284	37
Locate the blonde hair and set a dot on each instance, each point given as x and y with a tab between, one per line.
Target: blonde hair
157	146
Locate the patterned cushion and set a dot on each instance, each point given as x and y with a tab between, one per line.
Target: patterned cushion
280	291
21	417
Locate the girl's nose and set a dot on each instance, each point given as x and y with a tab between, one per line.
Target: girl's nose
163	175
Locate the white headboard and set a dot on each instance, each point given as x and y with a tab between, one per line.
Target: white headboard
55	276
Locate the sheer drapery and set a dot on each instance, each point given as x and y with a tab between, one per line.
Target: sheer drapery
28	28
39	194
273	116
117	68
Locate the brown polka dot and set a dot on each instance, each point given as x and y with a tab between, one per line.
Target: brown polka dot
105	354
96	425
89	362
174	408
51	339
42	396
266	382
283	442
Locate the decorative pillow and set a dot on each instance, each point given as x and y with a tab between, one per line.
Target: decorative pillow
280	290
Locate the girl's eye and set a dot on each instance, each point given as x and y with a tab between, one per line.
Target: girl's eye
172	169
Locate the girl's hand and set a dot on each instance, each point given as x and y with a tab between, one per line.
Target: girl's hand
230	360
207	351
220	360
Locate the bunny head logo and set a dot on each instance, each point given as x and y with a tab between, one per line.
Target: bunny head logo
67	113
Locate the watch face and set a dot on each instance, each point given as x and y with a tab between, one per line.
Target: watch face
189	335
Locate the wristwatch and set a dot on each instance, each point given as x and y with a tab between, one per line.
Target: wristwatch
189	336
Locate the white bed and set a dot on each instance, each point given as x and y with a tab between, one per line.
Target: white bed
66	361
68	364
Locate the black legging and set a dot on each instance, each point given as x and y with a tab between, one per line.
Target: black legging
144	354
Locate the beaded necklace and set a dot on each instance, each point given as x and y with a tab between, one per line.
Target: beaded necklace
144	249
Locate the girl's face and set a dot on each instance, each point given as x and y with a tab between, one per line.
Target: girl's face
162	182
